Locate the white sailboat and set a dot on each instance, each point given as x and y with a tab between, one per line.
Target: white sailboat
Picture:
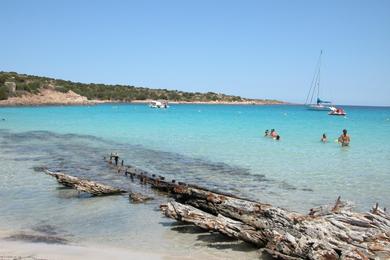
313	101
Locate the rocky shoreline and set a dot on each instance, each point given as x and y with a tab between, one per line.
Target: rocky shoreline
52	97
49	97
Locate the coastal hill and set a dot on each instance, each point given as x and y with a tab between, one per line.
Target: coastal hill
22	89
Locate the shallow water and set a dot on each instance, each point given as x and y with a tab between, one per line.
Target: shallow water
219	147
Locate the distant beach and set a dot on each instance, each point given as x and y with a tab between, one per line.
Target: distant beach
28	90
52	97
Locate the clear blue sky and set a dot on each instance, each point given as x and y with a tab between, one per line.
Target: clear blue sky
258	49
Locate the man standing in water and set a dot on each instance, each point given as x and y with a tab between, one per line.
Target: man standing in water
344	139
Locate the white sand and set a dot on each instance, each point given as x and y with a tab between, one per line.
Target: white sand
23	250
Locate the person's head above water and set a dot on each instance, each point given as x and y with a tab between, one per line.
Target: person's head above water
278	137
345	131
323	135
272	130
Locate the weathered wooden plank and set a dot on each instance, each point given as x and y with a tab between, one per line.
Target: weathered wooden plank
227	226
83	185
336	232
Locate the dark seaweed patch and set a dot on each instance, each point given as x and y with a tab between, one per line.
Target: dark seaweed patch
286	186
35	238
82	156
46	229
39	168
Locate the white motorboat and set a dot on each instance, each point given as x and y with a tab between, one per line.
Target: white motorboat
159	104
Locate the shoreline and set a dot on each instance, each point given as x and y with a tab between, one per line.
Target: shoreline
42	251
51	97
24	249
143	102
249	103
136	102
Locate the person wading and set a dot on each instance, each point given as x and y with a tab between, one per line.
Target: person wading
344	139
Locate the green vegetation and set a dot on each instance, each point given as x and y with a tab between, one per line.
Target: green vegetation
32	84
3	93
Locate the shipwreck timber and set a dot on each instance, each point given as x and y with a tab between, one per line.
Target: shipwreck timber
325	233
82	185
328	232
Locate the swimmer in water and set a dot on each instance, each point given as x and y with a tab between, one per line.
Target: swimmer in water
273	133
266	132
277	138
344	139
323	138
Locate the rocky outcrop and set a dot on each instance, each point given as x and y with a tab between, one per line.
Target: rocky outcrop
48	96
11	86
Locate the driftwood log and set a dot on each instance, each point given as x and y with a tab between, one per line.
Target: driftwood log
325	233
91	187
328	232
224	225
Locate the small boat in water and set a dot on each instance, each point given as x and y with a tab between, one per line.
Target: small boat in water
320	106
314	92
159	104
337	112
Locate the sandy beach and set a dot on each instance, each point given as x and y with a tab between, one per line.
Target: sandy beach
40	251
257	102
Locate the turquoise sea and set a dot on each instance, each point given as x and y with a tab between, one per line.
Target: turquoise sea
218	146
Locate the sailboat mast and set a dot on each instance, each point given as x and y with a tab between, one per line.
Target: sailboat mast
319	75
314	83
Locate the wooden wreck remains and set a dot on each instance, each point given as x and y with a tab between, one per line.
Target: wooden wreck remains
334	232
327	232
82	185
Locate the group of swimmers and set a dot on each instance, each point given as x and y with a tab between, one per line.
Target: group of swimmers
343	139
273	134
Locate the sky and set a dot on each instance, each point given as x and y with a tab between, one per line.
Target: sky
255	49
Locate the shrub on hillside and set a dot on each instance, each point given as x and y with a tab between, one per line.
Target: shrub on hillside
3	93
61	89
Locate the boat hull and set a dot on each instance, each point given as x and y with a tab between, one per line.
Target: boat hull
337	114
158	104
318	108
